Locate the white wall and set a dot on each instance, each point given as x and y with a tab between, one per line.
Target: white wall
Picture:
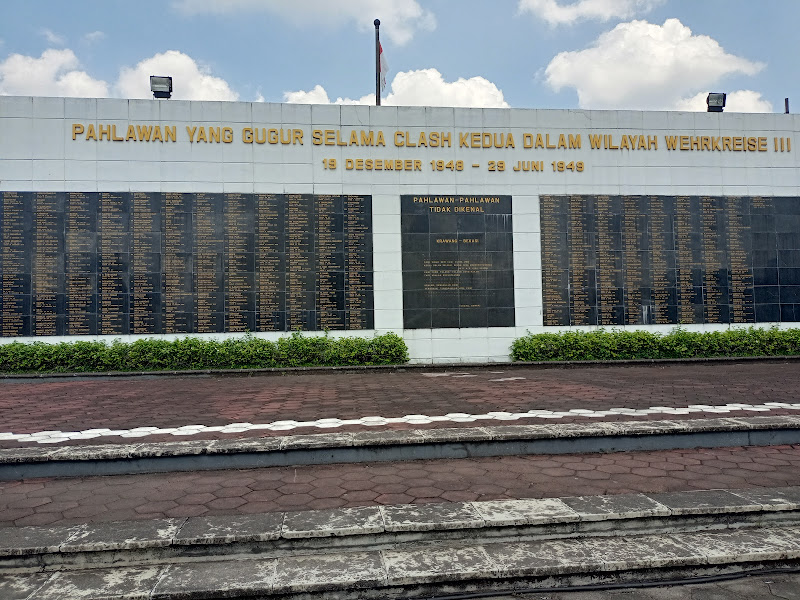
37	153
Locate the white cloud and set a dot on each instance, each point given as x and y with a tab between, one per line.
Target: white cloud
93	36
745	101
190	81
645	66
425	87
52	37
400	19
55	73
557	13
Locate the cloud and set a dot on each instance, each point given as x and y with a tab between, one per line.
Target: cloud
745	101
556	13
644	66
190	80
400	19
52	38
54	73
425	87
94	36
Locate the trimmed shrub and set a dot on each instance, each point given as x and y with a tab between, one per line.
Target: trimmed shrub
191	353
679	343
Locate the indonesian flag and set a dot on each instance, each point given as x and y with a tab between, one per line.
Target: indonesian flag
384	67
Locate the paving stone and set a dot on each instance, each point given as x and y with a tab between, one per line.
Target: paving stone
499	513
228	579
22	455
317	440
18	541
264	444
22	587
189	447
123	583
414	517
589	555
697	502
329	523
96	452
440	564
740	545
229	529
327	572
787	498
387	438
622	506
116	535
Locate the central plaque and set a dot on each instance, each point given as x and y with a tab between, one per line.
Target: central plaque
458	266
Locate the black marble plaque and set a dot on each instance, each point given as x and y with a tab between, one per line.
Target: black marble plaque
458	268
74	263
629	260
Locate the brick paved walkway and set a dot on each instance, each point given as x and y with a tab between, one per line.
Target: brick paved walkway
94	499
28	406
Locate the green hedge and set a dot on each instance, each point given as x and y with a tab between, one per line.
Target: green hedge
679	343
188	353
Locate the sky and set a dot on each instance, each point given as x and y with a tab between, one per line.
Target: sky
588	54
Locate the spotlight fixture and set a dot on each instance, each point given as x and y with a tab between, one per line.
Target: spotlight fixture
715	102
161	86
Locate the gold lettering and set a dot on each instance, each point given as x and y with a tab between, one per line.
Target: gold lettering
146	130
261	135
247	135
77	129
201	134
190	132
595	141
131	135
549	145
297	136
727	143
316	137
462	140
157	134
672	142
227	135
762	144
90	133
574	142
171	133
422	141
105	131
652	142
213	134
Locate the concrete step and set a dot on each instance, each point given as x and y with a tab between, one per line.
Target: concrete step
402	550
381	446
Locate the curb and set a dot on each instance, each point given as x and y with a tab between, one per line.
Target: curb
408	366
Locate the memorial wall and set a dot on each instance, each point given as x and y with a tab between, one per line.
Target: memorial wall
459	229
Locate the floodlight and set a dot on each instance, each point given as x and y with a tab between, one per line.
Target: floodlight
161	86
716	102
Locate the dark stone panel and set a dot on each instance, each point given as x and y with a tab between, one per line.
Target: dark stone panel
412	223
445	318
417	318
473	317
786	206
789	259
789	276
790	313
767	313
766	294
790	294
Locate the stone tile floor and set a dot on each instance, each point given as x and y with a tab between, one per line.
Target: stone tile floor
236	492
121	403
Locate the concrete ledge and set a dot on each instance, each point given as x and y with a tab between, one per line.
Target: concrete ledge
382	446
371	527
405	573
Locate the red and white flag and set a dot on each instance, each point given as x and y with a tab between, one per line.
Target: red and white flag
384	67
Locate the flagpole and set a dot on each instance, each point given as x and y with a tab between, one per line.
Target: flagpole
377	63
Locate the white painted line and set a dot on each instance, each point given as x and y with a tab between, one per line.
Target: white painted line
55	437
